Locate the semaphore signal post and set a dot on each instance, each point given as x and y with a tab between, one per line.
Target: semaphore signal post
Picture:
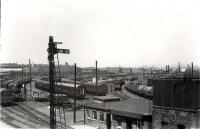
52	50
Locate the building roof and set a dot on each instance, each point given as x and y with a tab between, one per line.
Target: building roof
105	106
107	98
134	108
94	83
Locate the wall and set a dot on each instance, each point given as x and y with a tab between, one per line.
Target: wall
169	119
179	93
135	123
95	122
115	121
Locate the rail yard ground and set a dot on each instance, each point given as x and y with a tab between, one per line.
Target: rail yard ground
32	114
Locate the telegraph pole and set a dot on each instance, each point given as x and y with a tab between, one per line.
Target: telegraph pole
30	76
168	68
52	50
75	93
96	80
23	82
192	69
179	67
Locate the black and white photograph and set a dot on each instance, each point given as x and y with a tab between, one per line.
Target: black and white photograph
99	64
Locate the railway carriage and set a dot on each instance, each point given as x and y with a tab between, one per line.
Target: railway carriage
64	88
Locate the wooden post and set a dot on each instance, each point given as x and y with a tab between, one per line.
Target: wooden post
84	114
30	76
96	80
75	93
168	69
23	82
192	69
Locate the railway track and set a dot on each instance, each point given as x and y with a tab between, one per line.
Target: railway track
17	121
8	120
26	107
24	116
19	114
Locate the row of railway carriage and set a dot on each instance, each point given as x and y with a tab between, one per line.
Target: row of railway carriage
90	88
68	88
12	88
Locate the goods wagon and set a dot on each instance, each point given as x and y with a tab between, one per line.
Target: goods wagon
91	88
141	90
6	96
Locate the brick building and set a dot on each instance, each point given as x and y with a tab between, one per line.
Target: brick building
176	104
110	113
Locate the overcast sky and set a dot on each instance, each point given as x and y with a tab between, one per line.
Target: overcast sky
114	32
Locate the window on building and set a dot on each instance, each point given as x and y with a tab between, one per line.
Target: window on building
119	122
139	124
180	126
82	91
101	116
164	125
88	113
94	115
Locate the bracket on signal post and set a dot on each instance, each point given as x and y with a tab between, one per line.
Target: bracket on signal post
64	51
